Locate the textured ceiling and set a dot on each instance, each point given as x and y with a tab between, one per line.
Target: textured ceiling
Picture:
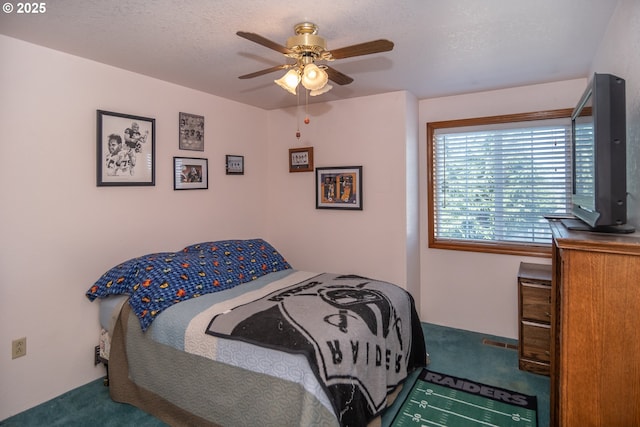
442	47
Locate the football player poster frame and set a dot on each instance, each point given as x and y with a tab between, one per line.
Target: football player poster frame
191	132
339	187
190	173
126	146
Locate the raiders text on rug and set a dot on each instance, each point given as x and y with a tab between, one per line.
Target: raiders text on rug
443	400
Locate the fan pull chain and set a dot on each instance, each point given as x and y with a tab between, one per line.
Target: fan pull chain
298	116
306	107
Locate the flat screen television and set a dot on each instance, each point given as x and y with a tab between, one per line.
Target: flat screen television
599	133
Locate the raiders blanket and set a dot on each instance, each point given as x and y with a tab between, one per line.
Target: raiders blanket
361	336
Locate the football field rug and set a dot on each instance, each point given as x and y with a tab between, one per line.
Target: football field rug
443	400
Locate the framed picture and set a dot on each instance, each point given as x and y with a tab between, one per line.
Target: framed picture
190	173
339	187
191	132
235	165
126	149
301	159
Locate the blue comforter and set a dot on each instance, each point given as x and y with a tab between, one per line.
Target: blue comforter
155	282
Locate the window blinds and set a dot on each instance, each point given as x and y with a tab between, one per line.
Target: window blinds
496	184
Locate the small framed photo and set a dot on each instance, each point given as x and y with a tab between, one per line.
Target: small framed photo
235	165
301	159
339	187
190	173
125	149
191	132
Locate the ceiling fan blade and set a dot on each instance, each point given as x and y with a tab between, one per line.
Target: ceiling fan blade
256	38
337	77
366	48
265	71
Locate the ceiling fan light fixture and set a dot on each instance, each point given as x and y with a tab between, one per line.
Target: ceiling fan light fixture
320	91
305	48
289	81
313	77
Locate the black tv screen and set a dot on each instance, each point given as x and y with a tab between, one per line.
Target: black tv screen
599	131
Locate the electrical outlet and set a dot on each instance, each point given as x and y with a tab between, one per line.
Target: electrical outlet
19	347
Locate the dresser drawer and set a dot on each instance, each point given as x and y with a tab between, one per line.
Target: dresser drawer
536	302
535	341
534	317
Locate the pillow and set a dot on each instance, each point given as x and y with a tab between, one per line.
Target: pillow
157	281
114	281
241	251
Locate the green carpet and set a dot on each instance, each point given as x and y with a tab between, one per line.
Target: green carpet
444	400
452	351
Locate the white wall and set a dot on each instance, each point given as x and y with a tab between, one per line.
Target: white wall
469	290
412	171
59	231
370	132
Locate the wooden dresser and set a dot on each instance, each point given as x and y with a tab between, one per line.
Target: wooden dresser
595	356
534	317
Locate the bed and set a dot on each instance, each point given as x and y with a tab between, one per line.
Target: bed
228	333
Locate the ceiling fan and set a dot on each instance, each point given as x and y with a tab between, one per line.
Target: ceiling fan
307	48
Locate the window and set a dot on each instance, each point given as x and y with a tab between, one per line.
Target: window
493	179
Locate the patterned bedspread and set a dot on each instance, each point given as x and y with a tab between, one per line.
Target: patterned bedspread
355	332
157	281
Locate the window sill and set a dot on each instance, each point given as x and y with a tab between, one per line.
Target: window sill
543	251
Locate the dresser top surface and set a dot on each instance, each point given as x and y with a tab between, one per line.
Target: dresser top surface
540	272
604	242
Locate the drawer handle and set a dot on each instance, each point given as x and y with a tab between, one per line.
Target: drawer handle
547	352
547	314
